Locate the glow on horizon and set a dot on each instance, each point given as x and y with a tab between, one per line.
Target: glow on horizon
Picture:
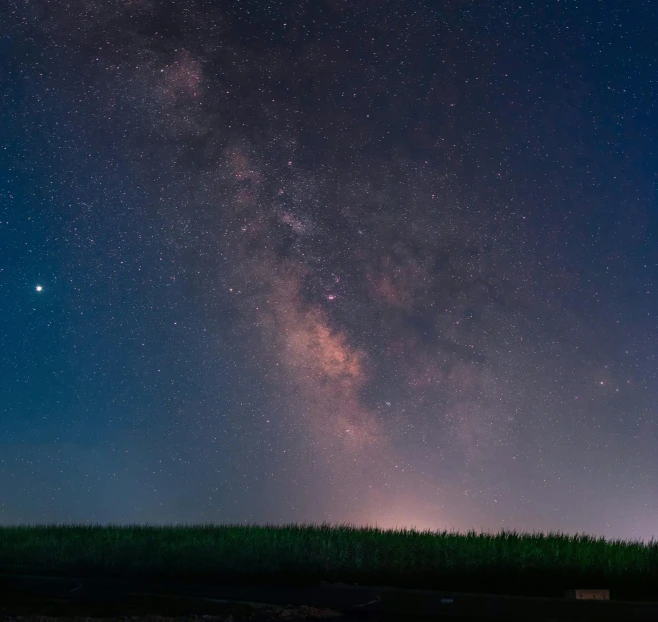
406	513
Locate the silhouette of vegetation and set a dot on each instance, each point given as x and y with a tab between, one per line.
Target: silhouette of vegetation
503	563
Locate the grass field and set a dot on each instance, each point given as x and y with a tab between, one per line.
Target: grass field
506	563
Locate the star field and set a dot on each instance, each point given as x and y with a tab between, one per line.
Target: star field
384	263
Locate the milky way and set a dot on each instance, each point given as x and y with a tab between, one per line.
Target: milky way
396	225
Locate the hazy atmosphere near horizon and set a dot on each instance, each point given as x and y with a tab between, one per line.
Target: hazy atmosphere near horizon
374	262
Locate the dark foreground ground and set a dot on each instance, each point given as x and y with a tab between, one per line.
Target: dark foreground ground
29	598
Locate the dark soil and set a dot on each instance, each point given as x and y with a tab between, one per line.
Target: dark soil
27	606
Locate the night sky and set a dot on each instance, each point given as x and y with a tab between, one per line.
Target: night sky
363	261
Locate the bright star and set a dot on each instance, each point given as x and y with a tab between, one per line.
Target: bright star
39	288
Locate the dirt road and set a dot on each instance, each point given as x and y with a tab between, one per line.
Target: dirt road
325	601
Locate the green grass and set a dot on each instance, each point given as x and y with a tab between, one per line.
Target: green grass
508	562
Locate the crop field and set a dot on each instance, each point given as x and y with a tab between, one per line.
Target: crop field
503	563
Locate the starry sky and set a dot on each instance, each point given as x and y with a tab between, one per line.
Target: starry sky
379	262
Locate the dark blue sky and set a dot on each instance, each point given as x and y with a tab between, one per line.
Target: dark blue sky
372	262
